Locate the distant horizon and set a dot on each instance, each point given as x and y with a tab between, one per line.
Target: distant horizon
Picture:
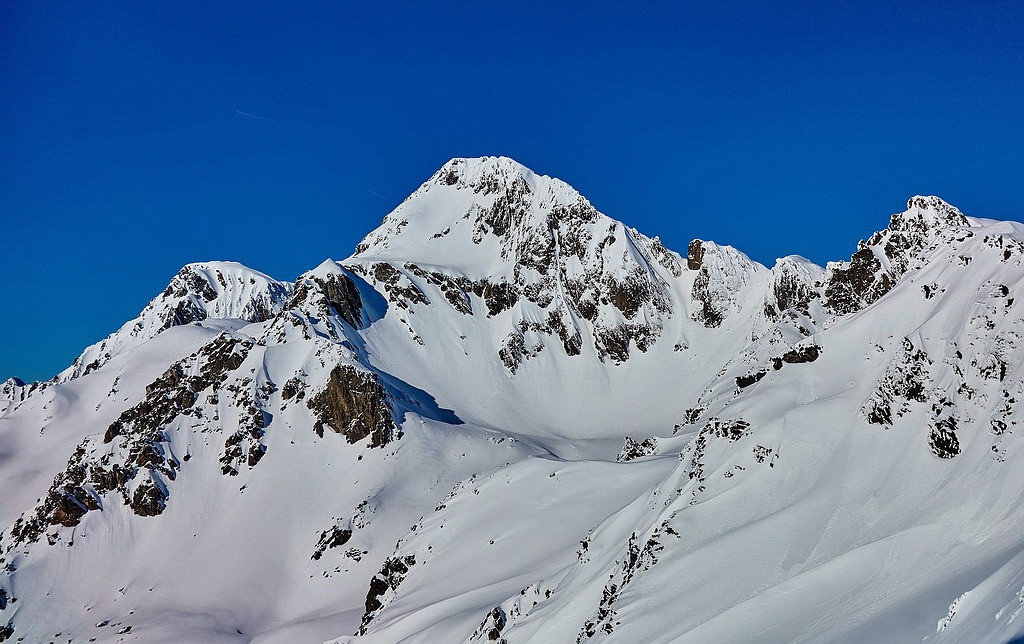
139	139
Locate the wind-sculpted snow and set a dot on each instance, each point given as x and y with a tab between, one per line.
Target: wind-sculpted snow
509	418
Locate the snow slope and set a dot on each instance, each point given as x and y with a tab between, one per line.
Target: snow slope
508	417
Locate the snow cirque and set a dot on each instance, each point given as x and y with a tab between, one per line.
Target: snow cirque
507	417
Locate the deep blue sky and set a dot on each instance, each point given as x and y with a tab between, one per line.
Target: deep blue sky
775	127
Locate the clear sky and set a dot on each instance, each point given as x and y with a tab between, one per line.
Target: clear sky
136	137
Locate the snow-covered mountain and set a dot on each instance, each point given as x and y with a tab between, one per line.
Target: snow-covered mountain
508	417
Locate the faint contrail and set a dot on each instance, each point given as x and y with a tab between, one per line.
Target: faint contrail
377	194
253	116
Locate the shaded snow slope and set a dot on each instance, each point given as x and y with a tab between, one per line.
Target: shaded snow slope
508	417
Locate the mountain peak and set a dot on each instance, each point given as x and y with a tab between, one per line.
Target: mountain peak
915	229
197	292
482	174
929	212
219	290
890	253
529	245
473	212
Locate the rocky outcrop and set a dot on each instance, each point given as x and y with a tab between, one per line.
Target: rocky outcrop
942	438
326	292
797	355
905	379
75	491
695	255
912	233
490	629
633	449
746	380
244	447
356	405
795	283
177	389
334	537
715	428
640	556
383	584
854	285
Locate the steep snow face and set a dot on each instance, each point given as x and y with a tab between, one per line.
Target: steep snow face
200	291
785	454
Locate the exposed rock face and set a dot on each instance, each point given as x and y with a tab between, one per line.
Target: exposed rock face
695	255
906	379
715	428
325	292
399	288
245	447
798	355
70	497
746	380
355	404
942	438
633	449
178	389
457	290
149	500
335	537
492	626
860	282
640	556
913	232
